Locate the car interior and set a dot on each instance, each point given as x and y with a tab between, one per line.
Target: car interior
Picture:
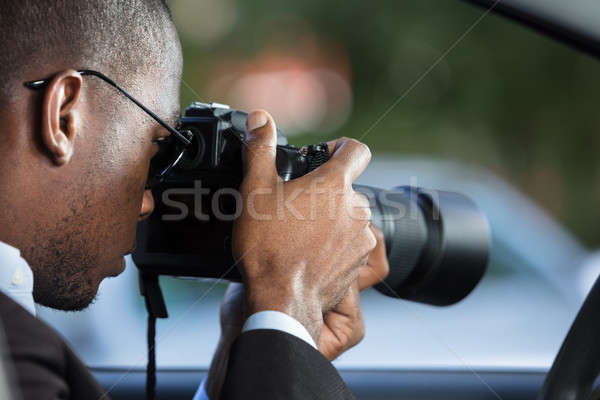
572	375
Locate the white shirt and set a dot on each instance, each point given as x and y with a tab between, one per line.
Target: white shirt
16	278
16	281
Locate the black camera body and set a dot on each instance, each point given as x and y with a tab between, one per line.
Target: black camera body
437	242
185	236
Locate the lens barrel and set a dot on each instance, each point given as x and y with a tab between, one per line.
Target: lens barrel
437	243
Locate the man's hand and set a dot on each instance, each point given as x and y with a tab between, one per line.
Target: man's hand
343	326
300	244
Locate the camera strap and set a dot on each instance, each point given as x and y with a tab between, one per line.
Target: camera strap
156	308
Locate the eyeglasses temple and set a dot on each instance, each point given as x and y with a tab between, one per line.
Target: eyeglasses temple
174	132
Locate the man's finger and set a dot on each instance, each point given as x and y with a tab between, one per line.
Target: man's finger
260	147
347	156
377	267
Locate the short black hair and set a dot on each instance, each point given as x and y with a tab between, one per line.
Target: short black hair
116	37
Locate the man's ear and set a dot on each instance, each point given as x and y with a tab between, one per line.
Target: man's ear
60	116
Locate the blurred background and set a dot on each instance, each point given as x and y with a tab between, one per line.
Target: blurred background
507	99
490	109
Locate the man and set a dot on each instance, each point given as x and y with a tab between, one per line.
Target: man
75	155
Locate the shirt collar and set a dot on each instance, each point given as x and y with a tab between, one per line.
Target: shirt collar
16	278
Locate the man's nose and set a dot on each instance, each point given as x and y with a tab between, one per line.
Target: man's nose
147	205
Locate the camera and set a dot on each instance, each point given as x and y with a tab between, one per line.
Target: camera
437	242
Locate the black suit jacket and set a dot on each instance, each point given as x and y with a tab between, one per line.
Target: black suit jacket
45	366
264	364
269	364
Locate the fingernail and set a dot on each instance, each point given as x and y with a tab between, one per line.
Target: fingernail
255	120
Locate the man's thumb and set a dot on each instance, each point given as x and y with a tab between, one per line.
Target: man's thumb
260	146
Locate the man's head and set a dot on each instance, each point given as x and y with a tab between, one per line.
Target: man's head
74	155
